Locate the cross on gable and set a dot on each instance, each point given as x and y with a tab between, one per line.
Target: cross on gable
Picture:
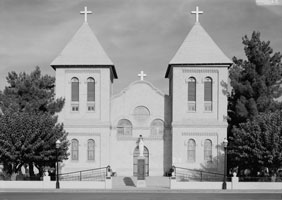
197	12
85	12
142	75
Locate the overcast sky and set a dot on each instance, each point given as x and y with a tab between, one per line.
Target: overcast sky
136	34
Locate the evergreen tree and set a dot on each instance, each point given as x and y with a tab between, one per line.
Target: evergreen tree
30	93
255	82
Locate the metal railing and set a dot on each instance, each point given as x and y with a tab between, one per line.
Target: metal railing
184	175
98	174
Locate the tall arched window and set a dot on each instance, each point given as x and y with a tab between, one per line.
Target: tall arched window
191	94
91	149
75	94
208	150
91	94
191	151
124	128
208	94
74	149
157	127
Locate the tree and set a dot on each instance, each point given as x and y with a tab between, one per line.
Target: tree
30	138
31	96
255	86
257	143
255	82
30	93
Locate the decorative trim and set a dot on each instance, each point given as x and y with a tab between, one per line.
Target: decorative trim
81	71
84	134
199	134
130	138
200	71
86	126
199	125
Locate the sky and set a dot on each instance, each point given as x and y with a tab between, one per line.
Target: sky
136	34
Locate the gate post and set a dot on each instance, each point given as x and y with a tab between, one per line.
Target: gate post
108	181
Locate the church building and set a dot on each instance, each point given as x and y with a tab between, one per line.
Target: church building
184	128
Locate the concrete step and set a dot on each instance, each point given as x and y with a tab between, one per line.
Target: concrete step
123	182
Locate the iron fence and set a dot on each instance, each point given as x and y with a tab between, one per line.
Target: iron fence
184	175
98	174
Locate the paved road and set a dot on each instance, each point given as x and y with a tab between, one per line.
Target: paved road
136	196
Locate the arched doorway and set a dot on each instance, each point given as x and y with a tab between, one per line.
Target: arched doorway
136	155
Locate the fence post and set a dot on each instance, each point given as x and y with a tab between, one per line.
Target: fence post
108	181
234	181
80	178
172	182
201	176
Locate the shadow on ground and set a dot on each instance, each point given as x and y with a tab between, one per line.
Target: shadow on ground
128	181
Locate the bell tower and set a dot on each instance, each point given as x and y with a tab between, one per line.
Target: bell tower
199	105
84	78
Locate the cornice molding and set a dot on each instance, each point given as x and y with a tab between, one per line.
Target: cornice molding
200	71
83	71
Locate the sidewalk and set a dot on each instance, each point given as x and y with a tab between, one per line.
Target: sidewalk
136	190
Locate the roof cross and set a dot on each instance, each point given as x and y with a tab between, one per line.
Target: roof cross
197	12
142	75
85	12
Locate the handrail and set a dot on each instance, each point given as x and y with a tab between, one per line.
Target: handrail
97	174
196	170
84	170
185	174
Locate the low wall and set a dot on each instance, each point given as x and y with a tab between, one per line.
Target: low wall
52	184
197	185
233	185
258	186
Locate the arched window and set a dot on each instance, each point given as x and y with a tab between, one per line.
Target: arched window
191	151
74	149
74	94
91	149
141	113
90	89
91	94
208	150
157	127
124	127
191	94
74	89
208	94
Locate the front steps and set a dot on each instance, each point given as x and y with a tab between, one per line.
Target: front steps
152	182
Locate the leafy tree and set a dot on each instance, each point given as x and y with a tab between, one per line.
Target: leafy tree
31	96
257	143
255	82
30	138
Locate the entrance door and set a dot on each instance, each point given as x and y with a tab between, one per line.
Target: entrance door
135	156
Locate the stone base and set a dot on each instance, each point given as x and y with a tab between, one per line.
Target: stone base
141	183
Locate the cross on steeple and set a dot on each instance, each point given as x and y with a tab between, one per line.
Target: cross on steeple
85	12
197	12
142	75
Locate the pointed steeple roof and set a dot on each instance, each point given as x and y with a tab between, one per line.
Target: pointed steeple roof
199	48
83	49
